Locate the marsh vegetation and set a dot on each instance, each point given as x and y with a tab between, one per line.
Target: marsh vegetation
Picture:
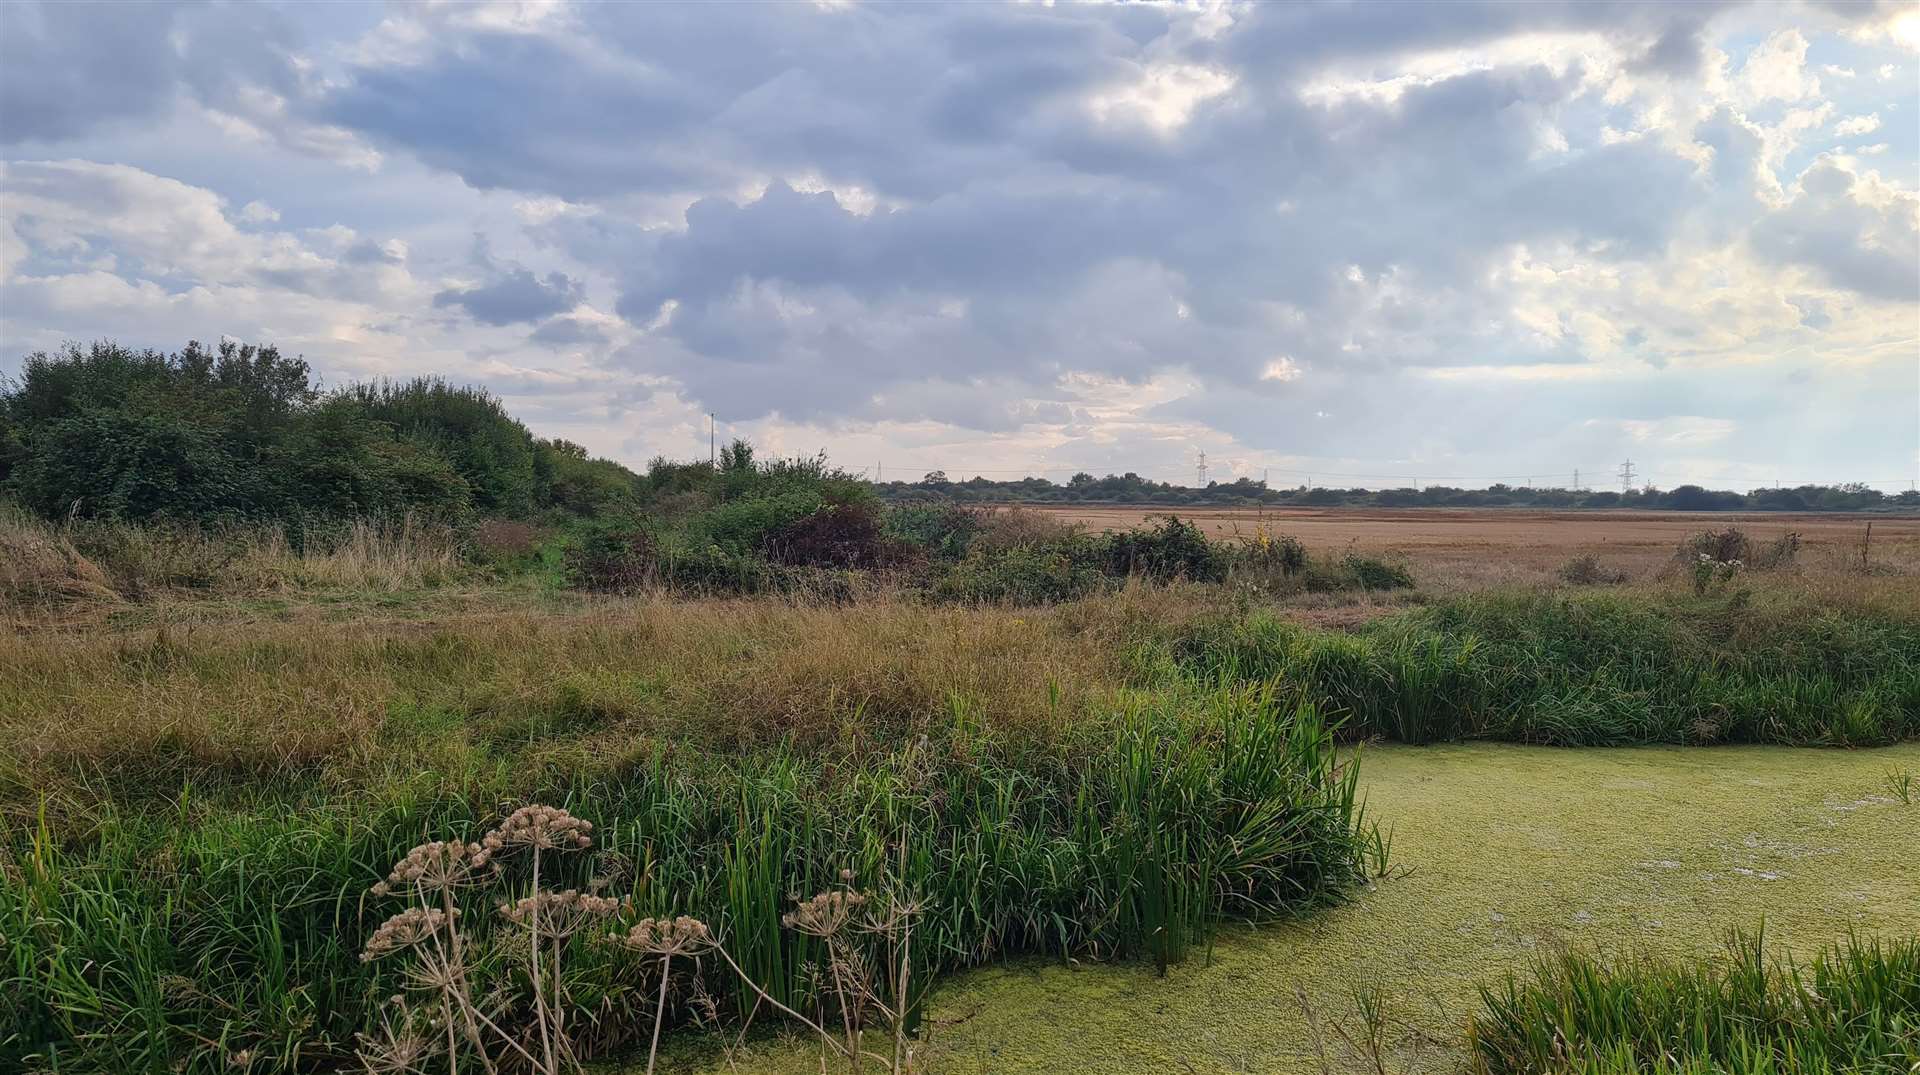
804	755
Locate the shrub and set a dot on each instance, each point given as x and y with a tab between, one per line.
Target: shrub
1779	553
1588	571
998	529
613	556
1724	546
1024	574
1171	550
944	530
837	535
1281	553
1371	573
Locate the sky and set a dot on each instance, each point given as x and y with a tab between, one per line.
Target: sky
1346	243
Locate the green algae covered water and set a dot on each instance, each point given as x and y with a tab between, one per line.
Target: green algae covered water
1503	853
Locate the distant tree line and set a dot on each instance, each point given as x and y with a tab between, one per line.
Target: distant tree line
1130	488
245	434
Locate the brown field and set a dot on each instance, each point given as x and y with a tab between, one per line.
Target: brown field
1502	544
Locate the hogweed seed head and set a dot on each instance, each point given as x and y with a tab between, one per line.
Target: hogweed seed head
682	936
436	865
825	914
404	930
545	827
560	914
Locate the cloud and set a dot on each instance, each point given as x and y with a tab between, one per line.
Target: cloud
515	294
1857	125
1856	230
1389	233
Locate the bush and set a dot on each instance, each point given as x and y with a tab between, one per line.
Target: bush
1780	553
1588	571
1024	575
613	556
839	535
1724	546
1171	550
998	529
1370	573
943	530
1270	553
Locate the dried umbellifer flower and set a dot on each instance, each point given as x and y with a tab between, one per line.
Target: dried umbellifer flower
682	936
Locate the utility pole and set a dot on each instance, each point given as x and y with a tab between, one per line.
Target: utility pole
1200	470
713	443
1626	476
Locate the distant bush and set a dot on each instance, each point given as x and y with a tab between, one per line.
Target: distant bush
1372	573
1025	575
1778	554
1171	550
1724	546
1016	528
1588	571
837	535
941	529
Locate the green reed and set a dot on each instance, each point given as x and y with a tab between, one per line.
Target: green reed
1593	669
224	930
1854	1007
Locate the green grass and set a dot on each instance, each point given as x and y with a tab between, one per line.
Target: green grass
1589	669
193	815
1503	853
1854	1007
179	937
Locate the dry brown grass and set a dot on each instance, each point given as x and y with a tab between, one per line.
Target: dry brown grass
48	567
598	680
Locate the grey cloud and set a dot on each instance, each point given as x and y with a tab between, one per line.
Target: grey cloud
70	67
515	295
368	252
569	332
1873	249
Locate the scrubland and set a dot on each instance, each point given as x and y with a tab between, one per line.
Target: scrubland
217	743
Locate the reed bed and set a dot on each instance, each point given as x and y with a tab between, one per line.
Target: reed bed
1590	669
222	927
1855	1007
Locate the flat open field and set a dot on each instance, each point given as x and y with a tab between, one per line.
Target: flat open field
1634	540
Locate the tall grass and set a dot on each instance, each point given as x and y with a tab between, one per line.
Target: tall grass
1590	669
47	564
1854	1008
180	937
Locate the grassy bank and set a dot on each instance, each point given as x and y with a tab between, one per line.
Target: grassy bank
193	810
227	922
